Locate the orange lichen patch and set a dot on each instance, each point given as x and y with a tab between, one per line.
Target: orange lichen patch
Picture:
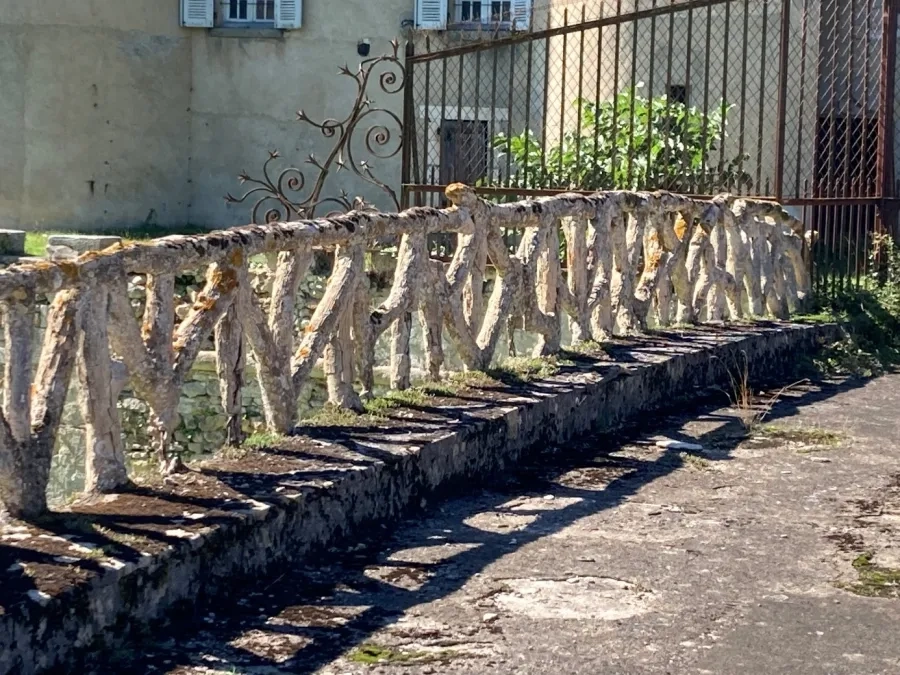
681	227
69	270
223	279
654	259
304	352
89	256
457	192
61	299
309	328
201	304
237	257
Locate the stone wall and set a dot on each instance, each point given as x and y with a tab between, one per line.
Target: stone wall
325	489
113	115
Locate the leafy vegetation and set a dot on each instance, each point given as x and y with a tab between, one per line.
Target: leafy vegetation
869	316
585	348
631	142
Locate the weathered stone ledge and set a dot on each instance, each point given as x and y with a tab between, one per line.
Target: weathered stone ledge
136	557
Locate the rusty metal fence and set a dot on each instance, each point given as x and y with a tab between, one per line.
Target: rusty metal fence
792	100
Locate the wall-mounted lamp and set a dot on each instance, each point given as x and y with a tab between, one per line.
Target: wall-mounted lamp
363	47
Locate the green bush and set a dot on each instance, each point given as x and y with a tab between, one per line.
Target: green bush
631	142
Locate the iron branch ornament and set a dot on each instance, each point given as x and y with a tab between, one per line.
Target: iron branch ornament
284	196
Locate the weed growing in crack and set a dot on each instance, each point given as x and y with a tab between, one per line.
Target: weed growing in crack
750	410
811	438
694	462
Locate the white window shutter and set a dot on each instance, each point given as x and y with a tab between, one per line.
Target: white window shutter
521	14
431	14
197	13
288	14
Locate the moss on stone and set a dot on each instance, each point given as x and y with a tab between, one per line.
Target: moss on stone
371	653
586	348
524	369
874	581
397	399
261	440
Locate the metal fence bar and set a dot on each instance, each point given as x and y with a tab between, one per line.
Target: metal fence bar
800	122
619	18
886	103
782	96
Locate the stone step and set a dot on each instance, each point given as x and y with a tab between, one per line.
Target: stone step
81	243
12	242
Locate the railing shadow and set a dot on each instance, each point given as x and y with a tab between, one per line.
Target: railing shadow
324	610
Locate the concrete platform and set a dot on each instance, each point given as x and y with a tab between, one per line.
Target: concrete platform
609	555
173	546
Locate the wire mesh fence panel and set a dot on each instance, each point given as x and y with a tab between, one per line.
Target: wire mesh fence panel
787	99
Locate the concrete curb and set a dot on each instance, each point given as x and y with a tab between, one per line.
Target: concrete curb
645	375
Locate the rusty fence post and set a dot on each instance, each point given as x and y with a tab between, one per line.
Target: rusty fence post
782	98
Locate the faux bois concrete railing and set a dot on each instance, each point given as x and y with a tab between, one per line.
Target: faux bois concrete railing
629	258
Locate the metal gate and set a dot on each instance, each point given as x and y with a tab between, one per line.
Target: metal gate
792	100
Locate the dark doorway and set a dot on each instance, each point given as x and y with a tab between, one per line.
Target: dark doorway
464	151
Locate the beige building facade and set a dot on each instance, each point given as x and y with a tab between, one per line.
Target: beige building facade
114	114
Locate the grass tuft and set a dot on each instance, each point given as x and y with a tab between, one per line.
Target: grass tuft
586	348
809	436
261	440
522	369
414	397
694	462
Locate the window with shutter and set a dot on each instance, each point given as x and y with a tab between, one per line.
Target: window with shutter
197	13
242	12
288	14
431	14
521	14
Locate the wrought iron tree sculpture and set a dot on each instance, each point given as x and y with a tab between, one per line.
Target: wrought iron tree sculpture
284	196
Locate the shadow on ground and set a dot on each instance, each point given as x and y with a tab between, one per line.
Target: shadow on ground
302	618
